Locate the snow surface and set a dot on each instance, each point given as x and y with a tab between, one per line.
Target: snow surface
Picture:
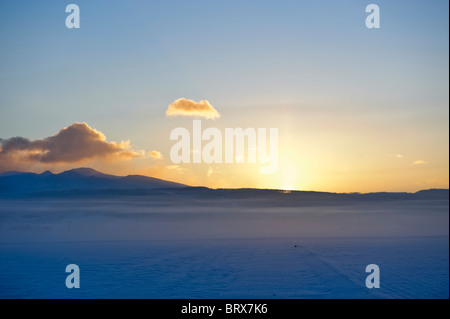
132	247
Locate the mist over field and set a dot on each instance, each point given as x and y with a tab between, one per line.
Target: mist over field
203	214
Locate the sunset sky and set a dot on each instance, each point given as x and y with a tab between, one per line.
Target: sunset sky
357	109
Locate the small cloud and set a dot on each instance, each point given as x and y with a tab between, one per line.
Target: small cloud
175	168
185	107
155	154
419	162
398	156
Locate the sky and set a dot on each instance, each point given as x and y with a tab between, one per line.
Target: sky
357	109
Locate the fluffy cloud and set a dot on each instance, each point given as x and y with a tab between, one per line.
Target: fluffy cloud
185	107
419	162
74	144
155	154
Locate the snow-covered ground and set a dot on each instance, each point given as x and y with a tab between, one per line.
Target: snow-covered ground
135	248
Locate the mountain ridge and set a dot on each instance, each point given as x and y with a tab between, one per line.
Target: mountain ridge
89	182
24	183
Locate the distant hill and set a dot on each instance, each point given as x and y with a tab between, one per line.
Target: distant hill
80	179
89	182
433	193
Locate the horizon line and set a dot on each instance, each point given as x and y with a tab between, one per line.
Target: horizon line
286	191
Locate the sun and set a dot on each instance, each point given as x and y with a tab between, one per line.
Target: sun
290	174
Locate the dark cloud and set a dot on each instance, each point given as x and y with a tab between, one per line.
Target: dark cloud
73	144
17	143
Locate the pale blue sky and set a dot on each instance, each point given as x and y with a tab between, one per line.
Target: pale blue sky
260	63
